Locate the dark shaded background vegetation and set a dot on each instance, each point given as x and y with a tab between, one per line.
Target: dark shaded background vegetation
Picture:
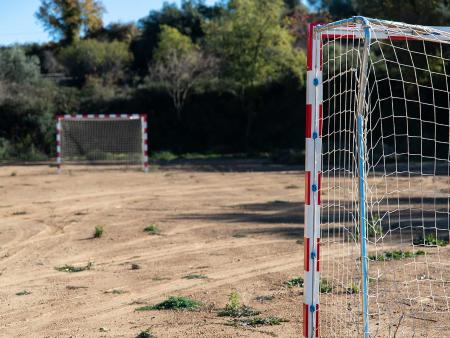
242	103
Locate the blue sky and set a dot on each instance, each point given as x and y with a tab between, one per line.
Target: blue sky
18	24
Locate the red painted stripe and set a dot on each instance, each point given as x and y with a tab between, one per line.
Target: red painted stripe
320	119
338	36
58	143
84	116
306	253
307	187
319	186
305	320
58	154
145	164
309	46
308	126
318	254
317	320
96	116
145	153
145	130
145	141
106	116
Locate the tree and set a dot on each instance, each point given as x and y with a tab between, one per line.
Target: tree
125	32
179	65
65	20
255	46
432	12
95	58
17	67
188	19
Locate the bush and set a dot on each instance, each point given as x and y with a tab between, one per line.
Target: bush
91	57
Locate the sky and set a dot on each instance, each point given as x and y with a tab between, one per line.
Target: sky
18	23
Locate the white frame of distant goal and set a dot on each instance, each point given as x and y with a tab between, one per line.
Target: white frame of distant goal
110	117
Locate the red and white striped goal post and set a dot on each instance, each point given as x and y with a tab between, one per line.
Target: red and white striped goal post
81	117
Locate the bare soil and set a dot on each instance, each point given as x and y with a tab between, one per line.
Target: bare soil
237	225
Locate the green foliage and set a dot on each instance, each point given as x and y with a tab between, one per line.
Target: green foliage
325	286
432	12
353	289
187	19
152	229
297	281
66	19
107	60
375	229
72	269
433	240
98	232
171	41
258	321
395	255
235	309
17	67
173	303
253	43
23	293
195	276
145	334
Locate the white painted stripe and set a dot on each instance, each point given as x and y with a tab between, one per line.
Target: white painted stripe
309	154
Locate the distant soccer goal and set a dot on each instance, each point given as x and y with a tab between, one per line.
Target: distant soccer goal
102	139
377	202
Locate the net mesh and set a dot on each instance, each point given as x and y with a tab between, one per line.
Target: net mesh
407	149
102	141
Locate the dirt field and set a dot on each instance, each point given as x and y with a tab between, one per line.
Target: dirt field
240	229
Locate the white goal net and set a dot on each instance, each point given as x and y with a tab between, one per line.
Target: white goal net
379	154
102	140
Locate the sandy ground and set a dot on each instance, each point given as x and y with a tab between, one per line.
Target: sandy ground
237	228
239	224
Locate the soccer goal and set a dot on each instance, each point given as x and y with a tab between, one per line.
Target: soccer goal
102	139
377	178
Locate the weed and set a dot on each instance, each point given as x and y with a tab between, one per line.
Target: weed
297	281
13	174
116	291
258	321
145	334
375	228
98	231
395	255
23	293
195	276
353	289
325	286
235	309
135	266
433	240
263	299
19	213
292	186
158	278
71	268
173	303
152	229
299	241
239	235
